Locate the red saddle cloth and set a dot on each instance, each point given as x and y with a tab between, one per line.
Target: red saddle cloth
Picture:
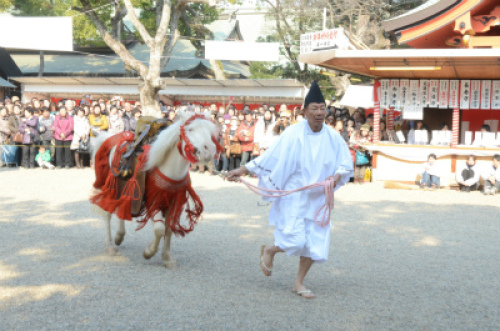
162	194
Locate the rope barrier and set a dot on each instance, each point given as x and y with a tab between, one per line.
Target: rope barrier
35	145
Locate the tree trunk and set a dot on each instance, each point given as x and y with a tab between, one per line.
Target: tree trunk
217	69
149	99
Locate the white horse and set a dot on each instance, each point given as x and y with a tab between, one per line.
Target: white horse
166	157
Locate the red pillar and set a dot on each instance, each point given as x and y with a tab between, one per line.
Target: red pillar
376	112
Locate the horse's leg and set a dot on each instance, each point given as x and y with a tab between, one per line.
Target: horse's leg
120	233
167	258
110	248
159	232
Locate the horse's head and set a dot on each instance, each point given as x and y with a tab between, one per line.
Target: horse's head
199	138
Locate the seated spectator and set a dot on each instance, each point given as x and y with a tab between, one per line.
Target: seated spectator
43	158
411	135
491	176
468	176
430	174
384	136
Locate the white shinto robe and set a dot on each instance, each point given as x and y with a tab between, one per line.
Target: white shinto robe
301	157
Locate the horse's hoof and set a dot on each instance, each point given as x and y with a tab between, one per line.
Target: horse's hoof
119	238
170	264
112	251
147	254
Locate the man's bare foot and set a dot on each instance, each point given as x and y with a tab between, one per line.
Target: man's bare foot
266	260
302	291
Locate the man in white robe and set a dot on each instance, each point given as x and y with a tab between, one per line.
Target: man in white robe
306	153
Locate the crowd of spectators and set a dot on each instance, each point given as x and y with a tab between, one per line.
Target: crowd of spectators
62	133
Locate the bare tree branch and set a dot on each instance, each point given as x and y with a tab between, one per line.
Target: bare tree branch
138	24
162	28
114	44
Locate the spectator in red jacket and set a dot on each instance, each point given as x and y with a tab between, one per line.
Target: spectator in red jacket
245	134
63	128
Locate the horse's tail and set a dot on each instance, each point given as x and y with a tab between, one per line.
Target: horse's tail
101	138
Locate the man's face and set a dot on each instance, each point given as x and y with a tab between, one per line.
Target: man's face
36	104
46	103
128	106
496	163
315	114
432	161
248	117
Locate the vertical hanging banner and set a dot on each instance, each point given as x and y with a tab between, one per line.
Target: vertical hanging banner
404	91
453	101
433	93
394	94
414	95
443	93
475	94
495	100
384	93
424	93
486	94
464	94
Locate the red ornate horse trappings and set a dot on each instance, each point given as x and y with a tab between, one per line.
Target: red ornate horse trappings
162	193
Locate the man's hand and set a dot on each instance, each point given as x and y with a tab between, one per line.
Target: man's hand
336	178
234	175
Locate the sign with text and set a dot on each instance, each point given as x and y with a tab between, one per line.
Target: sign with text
404	91
495	100
475	96
464	94
433	93
443	93
394	93
323	40
485	94
384	93
424	93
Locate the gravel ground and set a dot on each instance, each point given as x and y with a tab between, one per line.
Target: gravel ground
399	260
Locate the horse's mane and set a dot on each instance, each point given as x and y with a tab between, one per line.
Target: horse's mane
167	139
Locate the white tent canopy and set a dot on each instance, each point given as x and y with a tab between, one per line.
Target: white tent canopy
358	96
